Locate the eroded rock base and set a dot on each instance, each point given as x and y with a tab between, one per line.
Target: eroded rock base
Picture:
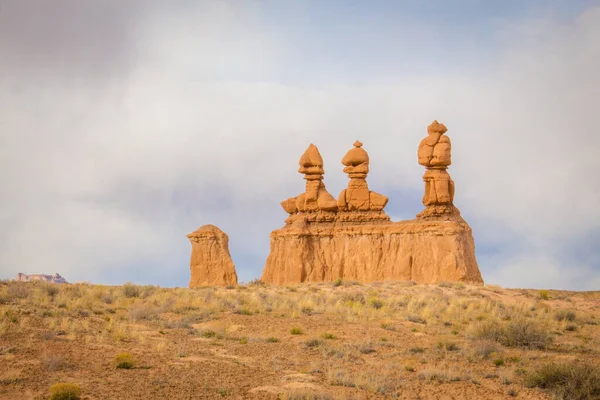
420	250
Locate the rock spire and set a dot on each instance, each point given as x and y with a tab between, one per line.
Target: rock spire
435	155
210	263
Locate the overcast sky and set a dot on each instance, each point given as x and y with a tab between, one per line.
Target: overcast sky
125	125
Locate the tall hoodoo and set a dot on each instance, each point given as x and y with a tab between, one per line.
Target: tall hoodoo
316	197
435	155
358	197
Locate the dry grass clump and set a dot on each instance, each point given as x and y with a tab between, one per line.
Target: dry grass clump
130	290
17	291
124	361
383	383
483	348
65	391
313	343
440	376
567	381
515	333
565	315
54	361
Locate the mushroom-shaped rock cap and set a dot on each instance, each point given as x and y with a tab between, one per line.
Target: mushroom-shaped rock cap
207	231
311	161
356	156
436	127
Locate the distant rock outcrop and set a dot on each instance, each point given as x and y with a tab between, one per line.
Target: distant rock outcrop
356	240
211	262
56	278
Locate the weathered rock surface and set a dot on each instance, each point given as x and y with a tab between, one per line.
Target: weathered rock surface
424	252
358	241
211	263
55	278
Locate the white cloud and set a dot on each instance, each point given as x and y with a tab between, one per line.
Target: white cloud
113	175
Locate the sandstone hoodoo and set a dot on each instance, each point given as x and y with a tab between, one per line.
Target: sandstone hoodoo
211	262
355	239
315	198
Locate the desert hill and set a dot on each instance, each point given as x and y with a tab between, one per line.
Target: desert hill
339	340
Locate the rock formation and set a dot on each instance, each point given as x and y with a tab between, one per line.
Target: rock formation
56	278
211	263
356	240
315	197
435	155
357	202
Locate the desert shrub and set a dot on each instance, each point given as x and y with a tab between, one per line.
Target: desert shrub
272	340
338	282
376	303
124	361
312	343
209	333
439	376
65	391
140	312
296	331
543	294
17	291
416	319
51	289
484	348
365	348
329	336
526	333
256	282
571	328
387	326
417	350
54	361
572	381
148	290
565	315
448	346
516	333
130	290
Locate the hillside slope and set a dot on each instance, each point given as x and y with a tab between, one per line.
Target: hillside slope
310	341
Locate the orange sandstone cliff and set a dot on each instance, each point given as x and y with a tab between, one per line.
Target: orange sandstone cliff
211	262
354	238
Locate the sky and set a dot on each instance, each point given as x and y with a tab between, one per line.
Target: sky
125	126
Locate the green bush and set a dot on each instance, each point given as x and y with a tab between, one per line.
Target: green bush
296	331
65	391
572	381
124	361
